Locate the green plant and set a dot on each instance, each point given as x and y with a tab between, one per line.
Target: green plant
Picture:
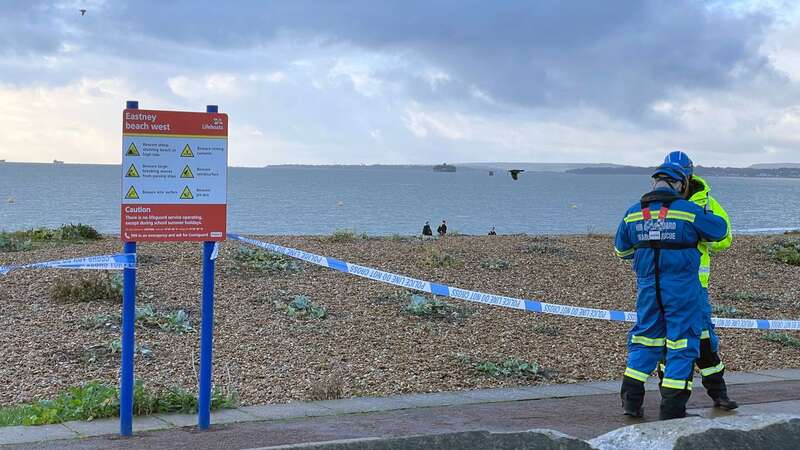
88	288
749	297
546	329
301	307
147	316
265	261
11	243
346	236
786	251
511	367
104	351
496	264
420	305
433	257
77	232
726	311
95	400
782	338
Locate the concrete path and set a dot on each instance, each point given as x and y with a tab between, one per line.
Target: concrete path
581	410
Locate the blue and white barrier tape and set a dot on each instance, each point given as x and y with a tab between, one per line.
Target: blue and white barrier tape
491	299
104	262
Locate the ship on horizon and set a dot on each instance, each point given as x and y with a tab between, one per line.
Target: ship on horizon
444	167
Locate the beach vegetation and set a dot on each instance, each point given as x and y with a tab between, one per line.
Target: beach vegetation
496	264
546	329
301	307
96	400
785	339
786	251
510	367
343	236
331	388
106	350
433	257
750	297
265	261
726	311
431	307
541	246
86	288
172	321
33	238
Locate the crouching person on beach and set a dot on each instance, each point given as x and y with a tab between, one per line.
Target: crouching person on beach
661	233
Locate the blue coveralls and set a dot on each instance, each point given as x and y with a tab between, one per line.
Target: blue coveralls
669	298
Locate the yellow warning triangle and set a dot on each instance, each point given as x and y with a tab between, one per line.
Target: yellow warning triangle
186	194
132	172
132	194
132	150
187	152
187	172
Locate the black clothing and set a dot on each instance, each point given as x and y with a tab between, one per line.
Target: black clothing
442	230
426	230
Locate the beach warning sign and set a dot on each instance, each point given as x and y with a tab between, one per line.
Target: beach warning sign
132	172
163	197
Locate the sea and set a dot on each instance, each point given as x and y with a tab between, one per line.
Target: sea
387	200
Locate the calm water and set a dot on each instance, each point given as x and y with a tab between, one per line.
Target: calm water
385	200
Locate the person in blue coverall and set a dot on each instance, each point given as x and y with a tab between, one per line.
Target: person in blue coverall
660	233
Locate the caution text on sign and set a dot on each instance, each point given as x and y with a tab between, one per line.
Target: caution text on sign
174	175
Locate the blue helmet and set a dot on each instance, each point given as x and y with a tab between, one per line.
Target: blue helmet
671	170
682	159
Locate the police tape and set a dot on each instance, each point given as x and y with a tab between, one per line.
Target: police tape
103	262
491	299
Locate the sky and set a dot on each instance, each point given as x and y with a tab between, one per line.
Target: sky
410	81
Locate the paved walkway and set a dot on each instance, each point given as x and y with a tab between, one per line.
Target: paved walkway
582	410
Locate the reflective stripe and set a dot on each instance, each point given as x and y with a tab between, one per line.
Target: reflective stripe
712	370
650	342
705	269
633	217
705	334
677	345
661	367
672	214
636	375
624	253
676	384
680	215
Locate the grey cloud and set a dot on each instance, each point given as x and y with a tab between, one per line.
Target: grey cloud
617	56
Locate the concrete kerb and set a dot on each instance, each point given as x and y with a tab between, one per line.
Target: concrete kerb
299	410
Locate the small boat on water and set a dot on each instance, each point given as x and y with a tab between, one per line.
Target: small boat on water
55	161
11	200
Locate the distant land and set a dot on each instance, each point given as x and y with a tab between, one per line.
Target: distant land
779	172
534	167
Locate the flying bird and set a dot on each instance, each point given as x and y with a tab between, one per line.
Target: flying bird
515	173
83	12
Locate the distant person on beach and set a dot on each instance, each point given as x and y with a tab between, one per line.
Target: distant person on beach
442	230
661	233
426	229
492	232
711	367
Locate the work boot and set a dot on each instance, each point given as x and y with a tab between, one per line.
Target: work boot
723	402
632	395
673	403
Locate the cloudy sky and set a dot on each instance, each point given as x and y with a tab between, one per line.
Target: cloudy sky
410	81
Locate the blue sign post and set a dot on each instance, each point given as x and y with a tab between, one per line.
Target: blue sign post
184	200
128	339
206	329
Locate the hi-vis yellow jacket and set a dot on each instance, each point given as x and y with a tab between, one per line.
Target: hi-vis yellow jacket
702	197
